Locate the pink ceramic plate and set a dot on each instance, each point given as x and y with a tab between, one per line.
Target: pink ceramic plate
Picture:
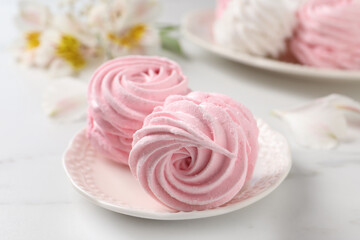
112	186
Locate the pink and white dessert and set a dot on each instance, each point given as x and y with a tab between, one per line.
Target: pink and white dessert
221	5
195	152
328	34
122	92
255	27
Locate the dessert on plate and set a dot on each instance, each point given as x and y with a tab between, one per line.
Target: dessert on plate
122	92
190	151
181	151
328	34
255	27
195	152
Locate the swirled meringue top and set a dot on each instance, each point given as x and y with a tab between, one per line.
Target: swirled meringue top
196	152
328	34
256	27
122	92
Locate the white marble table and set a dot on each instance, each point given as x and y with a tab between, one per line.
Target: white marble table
320	199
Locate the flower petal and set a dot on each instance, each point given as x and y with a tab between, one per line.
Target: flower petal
140	11
65	100
33	16
96	15
321	123
60	68
118	15
151	41
69	24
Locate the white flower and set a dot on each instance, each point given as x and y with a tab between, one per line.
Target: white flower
45	52
148	43
65	43
33	16
126	26
64	47
323	122
65	100
70	25
99	16
60	68
32	20
117	15
138	12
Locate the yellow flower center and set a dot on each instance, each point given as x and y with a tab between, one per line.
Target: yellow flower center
131	38
69	50
32	40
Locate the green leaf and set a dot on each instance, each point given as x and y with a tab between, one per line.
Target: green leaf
171	44
168	28
169	39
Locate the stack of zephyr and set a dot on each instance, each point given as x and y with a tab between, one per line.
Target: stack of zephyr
188	150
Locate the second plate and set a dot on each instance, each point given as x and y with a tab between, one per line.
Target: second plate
197	27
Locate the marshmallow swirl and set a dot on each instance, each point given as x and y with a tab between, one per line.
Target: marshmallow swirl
122	92
196	152
256	27
328	34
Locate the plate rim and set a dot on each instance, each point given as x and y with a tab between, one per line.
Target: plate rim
327	75
180	215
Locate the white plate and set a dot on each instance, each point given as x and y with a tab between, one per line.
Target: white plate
197	27
112	186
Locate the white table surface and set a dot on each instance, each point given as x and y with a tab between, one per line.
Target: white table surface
320	199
